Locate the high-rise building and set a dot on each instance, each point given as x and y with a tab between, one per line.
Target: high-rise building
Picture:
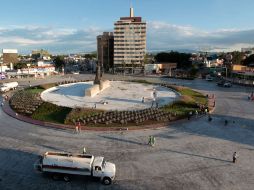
129	43
105	50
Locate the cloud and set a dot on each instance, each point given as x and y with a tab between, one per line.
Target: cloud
56	40
160	36
165	36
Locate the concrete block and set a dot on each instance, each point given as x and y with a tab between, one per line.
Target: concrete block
104	84
91	92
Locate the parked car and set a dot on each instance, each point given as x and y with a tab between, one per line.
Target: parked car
220	83
8	86
2	76
227	84
209	78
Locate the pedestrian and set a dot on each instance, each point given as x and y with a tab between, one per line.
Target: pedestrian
76	129
143	99
79	127
153	102
235	157
153	141
196	113
209	118
84	150
150	140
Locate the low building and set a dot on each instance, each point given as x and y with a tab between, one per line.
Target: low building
242	72
10	57
163	68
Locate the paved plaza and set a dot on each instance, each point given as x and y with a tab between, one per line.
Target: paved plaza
190	155
121	95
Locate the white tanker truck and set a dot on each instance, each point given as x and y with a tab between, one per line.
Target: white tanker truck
65	165
8	86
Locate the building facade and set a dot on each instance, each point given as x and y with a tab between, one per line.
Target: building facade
129	43
105	50
10	56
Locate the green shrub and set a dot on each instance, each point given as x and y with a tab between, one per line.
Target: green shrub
47	86
78	113
51	112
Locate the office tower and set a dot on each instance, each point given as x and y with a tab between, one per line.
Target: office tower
129	43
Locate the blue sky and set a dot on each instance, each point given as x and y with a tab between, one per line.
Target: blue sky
66	26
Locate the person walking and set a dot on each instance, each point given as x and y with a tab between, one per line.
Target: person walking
150	140
84	150
206	111
79	127
76	129
196	113
235	157
209	118
153	141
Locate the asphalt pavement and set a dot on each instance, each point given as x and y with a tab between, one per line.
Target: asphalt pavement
191	155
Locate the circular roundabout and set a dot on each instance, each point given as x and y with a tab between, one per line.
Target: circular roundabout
120	104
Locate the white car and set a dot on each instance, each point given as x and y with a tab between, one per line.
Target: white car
2	76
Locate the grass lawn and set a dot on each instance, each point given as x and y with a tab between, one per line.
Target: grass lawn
34	90
189	101
52	113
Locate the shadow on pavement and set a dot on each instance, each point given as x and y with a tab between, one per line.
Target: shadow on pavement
196	155
238	130
121	140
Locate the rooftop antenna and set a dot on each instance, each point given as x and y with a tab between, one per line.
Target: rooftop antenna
131	10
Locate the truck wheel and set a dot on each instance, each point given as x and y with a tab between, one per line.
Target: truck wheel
66	178
106	181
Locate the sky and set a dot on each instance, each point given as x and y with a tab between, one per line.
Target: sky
71	26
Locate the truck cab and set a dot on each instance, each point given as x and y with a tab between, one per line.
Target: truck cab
103	170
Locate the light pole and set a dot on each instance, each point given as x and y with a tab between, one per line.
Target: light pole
226	72
1	64
28	65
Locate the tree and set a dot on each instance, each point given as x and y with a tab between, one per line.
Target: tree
237	58
147	59
20	66
59	62
91	55
249	60
182	59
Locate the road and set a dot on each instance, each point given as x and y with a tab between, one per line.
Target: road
190	155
